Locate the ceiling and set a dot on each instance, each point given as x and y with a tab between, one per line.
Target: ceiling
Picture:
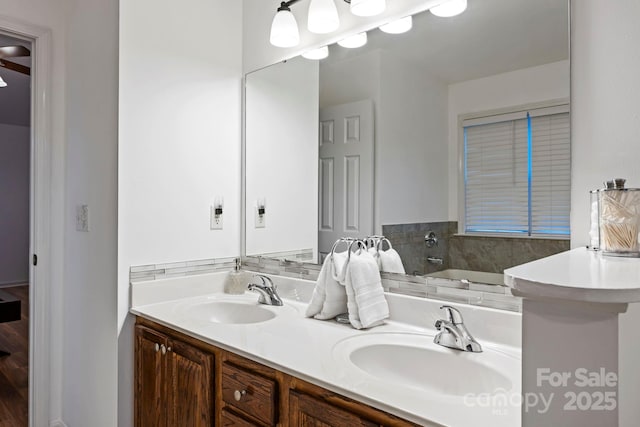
15	99
490	37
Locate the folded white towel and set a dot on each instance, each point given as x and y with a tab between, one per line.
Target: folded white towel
329	297
365	295
390	261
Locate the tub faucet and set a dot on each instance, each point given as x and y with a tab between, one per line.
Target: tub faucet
454	334
267	291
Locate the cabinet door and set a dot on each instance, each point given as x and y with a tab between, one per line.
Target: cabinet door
190	397
307	411
150	405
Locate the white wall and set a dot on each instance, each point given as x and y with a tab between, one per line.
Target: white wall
604	134
282	156
528	86
14	204
89	386
258	14
179	143
411	143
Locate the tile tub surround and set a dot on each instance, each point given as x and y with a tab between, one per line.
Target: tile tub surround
408	240
306	348
491	254
496	254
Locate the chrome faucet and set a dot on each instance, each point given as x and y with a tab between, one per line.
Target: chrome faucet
454	334
267	291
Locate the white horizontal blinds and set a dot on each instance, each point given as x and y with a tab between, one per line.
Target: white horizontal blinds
550	174
496	182
509	189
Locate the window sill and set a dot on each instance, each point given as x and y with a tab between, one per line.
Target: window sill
512	236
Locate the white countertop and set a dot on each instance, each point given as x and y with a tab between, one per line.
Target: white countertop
318	351
578	275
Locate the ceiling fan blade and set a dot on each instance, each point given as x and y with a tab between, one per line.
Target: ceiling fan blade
15	67
11	51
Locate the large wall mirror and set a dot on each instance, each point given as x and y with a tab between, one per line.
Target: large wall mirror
372	140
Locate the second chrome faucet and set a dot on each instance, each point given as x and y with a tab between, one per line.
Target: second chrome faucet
453	332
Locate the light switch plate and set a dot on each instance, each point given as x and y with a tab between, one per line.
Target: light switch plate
260	220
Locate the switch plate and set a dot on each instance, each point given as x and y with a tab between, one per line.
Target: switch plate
216	219
260	215
82	218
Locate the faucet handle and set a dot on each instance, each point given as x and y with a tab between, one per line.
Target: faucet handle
453	315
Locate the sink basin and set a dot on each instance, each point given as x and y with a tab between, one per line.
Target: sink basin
231	312
414	361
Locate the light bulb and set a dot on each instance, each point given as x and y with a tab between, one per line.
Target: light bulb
323	17
356	40
284	29
316	54
368	7
399	26
449	8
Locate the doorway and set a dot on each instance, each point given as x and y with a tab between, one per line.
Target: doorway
15	228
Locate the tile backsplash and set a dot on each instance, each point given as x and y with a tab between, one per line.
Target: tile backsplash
139	273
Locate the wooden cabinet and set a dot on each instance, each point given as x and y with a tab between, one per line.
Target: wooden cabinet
184	382
173	382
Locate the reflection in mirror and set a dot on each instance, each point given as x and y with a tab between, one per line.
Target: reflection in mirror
372	141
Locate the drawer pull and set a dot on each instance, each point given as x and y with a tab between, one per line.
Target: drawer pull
164	349
157	347
237	395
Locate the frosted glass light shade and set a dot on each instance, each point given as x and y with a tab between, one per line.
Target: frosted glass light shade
323	17
316	54
399	26
352	42
2	83
284	30
449	8
368	7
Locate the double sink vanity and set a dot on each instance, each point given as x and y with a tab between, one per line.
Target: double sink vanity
204	357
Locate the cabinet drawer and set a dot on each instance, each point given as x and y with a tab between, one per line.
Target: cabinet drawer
229	419
250	393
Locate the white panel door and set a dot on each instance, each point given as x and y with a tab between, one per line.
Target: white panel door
346	173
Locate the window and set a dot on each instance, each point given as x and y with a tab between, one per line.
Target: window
517	173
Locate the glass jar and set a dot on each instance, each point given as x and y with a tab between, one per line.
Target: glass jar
619	221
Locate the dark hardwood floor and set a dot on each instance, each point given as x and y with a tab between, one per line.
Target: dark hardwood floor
14	369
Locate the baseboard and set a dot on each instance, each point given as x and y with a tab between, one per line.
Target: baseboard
57	423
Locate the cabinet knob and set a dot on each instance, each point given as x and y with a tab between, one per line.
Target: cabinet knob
237	395
164	349
157	347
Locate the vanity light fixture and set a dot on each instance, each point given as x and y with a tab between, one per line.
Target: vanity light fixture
399	26
317	54
449	8
2	83
354	41
323	17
